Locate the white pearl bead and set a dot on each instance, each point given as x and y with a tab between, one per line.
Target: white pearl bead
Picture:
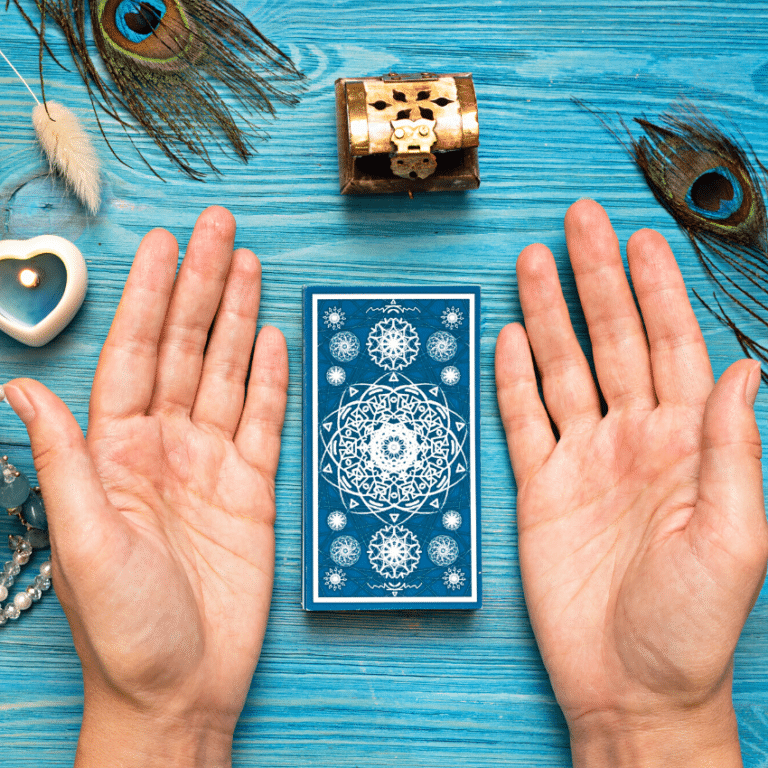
22	601
3	593
46	569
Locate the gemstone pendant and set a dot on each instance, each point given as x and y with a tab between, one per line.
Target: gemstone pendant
42	285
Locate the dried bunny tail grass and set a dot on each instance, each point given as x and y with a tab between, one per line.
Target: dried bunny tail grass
69	151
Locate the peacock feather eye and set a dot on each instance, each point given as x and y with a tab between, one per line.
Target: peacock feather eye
715	194
151	31
136	20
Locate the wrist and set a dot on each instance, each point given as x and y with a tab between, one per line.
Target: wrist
700	738
116	733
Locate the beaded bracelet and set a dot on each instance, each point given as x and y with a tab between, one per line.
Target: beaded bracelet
25	502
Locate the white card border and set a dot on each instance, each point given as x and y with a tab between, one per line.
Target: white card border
474	490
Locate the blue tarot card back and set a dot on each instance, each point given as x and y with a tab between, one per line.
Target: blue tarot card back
391	448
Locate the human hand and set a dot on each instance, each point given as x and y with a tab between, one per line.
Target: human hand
642	533
161	521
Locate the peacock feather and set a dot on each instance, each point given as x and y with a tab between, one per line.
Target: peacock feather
165	59
714	186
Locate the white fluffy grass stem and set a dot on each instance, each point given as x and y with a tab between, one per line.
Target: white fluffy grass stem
67	147
69	151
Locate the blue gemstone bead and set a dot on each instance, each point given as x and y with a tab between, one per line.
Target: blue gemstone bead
33	512
15	493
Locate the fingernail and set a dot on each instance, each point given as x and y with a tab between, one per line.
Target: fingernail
753	384
18	401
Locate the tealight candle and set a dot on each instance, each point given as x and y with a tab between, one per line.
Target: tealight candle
42	285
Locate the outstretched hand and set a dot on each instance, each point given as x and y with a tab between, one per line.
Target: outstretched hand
642	532
162	520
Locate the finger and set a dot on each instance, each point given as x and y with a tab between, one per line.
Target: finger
569	391
125	376
619	346
729	520
221	393
194	302
529	434
258	434
681	369
79	514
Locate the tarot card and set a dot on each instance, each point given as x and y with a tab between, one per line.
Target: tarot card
391	448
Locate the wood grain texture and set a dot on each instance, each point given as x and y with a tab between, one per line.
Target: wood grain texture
411	689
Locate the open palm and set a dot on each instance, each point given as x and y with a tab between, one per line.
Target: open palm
642	534
162	520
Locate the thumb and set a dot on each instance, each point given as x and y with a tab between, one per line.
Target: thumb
729	520
72	492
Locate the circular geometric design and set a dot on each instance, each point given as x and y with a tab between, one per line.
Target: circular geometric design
345	346
336	376
441	346
443	550
345	551
454	578
334	318
335	578
394	551
393	344
337	520
452	318
452	520
393	447
450	375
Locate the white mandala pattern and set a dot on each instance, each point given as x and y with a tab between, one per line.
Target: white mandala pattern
441	346
335	578
452	318
454	578
393	447
337	520
443	550
336	376
334	318
394	551
450	375
345	551
393	344
345	346
452	520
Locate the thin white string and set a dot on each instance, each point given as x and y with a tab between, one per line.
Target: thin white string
8	62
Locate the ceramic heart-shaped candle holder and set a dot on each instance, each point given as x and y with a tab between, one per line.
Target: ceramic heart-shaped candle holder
42	285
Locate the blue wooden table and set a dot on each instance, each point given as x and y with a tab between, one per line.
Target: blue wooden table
411	689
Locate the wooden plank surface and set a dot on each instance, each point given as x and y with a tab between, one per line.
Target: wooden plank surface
412	689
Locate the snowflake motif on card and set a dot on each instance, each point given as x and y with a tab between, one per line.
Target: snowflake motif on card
450	375
335	578
393	448
393	344
334	318
452	520
441	346
345	346
394	551
454	578
337	520
336	376
452	318
345	551
443	550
